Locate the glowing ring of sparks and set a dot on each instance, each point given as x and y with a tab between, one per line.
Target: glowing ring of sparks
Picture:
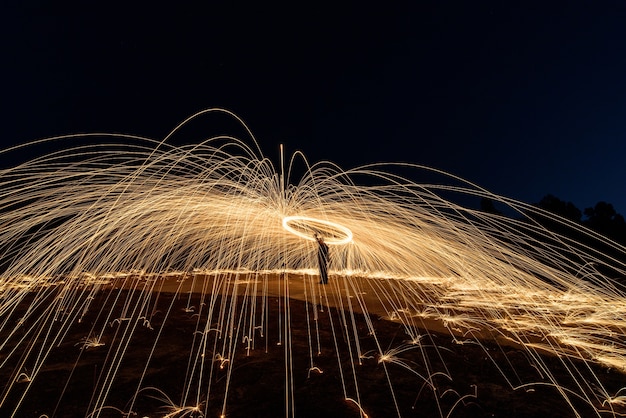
305	227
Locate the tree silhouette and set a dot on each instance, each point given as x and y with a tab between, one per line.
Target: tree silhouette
604	219
555	206
487	205
559	207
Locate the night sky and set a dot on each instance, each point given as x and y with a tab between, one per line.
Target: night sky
523	98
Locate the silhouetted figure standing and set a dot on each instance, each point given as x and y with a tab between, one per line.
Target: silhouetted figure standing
322	259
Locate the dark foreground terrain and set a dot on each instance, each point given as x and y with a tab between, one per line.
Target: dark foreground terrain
467	381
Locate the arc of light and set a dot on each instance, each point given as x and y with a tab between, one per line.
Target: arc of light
344	234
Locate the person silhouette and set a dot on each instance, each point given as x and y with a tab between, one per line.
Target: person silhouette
322	258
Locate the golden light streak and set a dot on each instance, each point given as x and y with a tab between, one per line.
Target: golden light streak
134	218
305	227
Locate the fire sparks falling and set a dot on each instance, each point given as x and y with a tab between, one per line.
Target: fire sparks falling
219	216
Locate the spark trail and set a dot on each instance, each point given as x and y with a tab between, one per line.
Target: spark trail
215	222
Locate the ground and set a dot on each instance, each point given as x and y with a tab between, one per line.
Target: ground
66	382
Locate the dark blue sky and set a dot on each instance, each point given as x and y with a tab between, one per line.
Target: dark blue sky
522	98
